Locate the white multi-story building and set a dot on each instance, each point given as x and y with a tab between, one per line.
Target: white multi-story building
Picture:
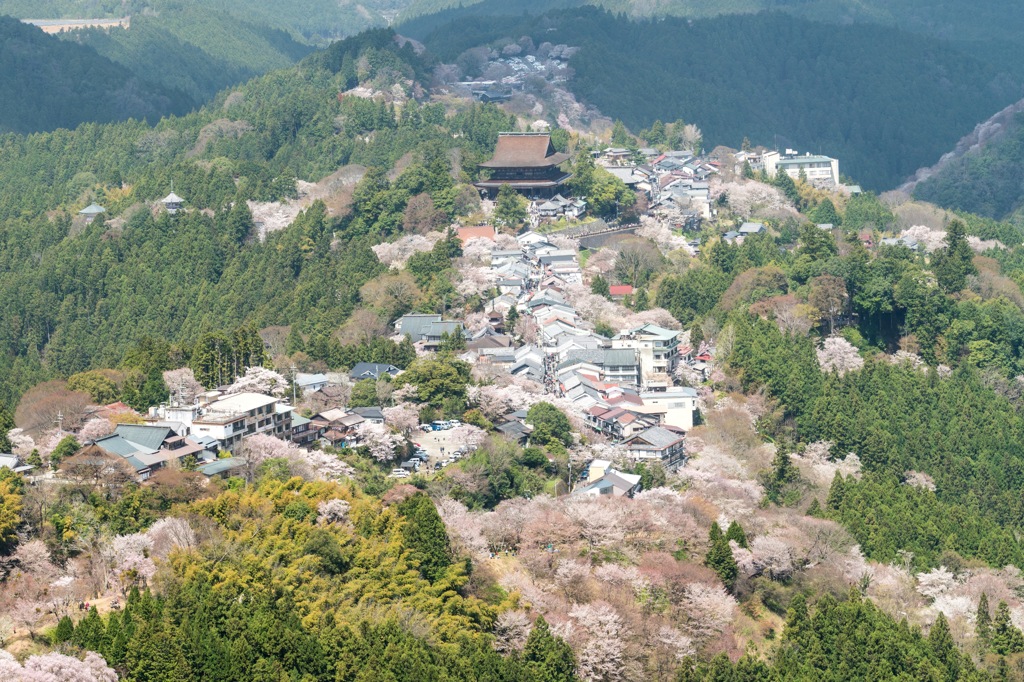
820	171
658	350
229	419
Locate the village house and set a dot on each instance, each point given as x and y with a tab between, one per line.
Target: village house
372	370
137	449
613	483
426	330
310	383
659	444
620	291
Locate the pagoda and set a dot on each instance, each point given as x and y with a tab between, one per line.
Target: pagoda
528	163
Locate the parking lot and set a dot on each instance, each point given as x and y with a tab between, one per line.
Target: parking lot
438	444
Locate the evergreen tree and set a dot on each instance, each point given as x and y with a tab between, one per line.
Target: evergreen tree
425	536
65	630
954	263
735	532
509	208
788	187
6	424
1006	638
547	657
620	136
294	343
68	446
941	642
983	623
825	212
720	559
599	286
641	301
511	317
780	479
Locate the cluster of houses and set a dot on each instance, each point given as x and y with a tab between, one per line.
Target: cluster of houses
675	182
623	384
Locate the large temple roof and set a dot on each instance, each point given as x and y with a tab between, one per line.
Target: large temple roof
525	150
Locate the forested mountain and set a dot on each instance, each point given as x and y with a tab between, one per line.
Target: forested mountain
315	21
901	102
77	300
50	83
985	179
990	30
195	50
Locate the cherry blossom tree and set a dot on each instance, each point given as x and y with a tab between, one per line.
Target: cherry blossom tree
33	558
920	479
323	466
478	250
474	280
395	254
709	608
467	434
936	582
511	628
463	526
660	233
21	443
130	563
772	556
170	533
94	429
403	417
603	656
55	667
838	355
496	401
28	613
260	380
183	384
332	511
380	441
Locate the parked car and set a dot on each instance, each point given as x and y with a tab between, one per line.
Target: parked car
426	427
399	473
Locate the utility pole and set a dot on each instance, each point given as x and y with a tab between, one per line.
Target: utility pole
59	421
294	369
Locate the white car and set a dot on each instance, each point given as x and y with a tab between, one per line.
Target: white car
399	473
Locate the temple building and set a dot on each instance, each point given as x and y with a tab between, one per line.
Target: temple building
528	163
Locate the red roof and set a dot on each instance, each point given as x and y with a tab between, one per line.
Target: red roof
479	231
620	290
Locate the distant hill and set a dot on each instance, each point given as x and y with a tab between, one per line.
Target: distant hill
988	29
197	51
884	101
312	21
983	174
50	83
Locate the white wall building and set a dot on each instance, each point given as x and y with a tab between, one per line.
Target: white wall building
819	170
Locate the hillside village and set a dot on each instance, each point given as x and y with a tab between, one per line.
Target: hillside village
633	387
598	398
